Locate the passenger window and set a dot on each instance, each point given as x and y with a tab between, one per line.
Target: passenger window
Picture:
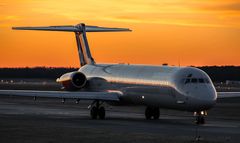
187	80
194	80
200	80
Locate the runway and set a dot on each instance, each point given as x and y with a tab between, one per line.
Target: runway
48	120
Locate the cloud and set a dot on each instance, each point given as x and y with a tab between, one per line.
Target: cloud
224	7
204	13
8	18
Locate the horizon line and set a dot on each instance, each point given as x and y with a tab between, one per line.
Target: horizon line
124	63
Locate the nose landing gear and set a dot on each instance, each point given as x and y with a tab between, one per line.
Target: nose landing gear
200	117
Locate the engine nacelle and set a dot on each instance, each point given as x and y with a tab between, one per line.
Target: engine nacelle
73	80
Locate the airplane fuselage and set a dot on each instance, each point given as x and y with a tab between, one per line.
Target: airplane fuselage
181	88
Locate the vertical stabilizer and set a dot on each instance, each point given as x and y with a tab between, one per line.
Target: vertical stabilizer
80	30
83	47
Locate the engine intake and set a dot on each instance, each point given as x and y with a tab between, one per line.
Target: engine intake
73	80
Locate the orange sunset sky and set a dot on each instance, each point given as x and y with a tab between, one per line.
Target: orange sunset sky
189	32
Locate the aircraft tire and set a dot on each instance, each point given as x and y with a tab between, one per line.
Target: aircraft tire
94	112
200	120
156	113
148	113
101	113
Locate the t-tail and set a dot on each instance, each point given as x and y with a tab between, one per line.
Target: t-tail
80	30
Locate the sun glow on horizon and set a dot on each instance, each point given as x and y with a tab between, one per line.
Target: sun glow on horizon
185	32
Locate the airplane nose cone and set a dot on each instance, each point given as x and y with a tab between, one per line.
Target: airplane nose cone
204	100
209	103
209	98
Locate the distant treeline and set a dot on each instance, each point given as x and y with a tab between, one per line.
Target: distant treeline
222	73
217	73
36	72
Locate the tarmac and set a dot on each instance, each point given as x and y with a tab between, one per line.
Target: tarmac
49	121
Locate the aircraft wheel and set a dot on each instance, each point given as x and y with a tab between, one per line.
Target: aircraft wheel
94	112
200	120
156	113
148	113
200	117
101	113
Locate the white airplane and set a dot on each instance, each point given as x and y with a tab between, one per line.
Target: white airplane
179	88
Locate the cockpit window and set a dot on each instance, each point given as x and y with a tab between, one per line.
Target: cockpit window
187	80
194	80
189	75
206	80
201	80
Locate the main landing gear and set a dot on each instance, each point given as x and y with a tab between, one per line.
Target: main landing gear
200	117
97	111
152	113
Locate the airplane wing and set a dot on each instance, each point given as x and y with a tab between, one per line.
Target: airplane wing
228	94
103	96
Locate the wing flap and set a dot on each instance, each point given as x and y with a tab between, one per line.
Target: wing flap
104	96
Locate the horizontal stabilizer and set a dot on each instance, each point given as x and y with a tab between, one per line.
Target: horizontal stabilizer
77	28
